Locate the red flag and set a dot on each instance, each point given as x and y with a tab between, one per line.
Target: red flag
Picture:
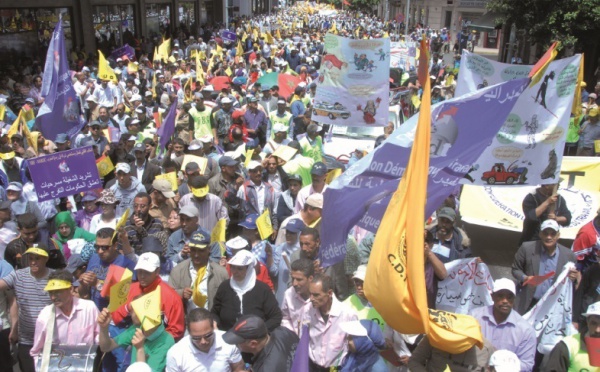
287	83
546	58
423	71
112	277
346	3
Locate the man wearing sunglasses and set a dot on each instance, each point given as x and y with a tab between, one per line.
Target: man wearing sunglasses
540	257
203	349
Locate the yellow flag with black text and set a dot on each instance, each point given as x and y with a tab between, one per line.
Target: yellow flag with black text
395	281
263	222
105	72
147	309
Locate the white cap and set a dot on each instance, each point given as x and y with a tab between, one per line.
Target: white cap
148	261
254	164
91	98
279	127
195	145
209	88
504	284
354	328
281	102
226	100
550	224
132	138
122	167
360	273
85	68
504	361
148	93
243	258
137	97
139	367
593	309
205	139
315	200
236	243
119	60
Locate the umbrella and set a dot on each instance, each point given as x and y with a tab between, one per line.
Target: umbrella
286	83
220	82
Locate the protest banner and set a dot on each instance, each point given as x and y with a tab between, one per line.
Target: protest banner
64	173
501	207
125	50
458	138
467	287
528	148
60	111
403	54
189	158
353	84
228	36
171	177
552	316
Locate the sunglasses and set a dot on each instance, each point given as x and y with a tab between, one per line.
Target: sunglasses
206	337
102	247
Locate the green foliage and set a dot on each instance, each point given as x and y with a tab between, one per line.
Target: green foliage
569	21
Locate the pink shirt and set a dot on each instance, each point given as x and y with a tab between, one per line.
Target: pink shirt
291	309
79	328
327	346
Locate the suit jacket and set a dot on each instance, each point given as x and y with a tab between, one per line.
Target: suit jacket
527	263
180	278
150	173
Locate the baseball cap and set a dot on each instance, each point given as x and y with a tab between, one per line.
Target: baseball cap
190	211
195	145
199	186
249	222
133	122
227	161
164	187
504	361
319	169
206	139
89	196
593	309
122	167
315	200
360	273
281	102
254	164
448	213
252	99
279	128
61	138
95	123
294	177
14	186
200	239
504	284
248	327
57	284
226	100
137	97
593	95
550	224
295	226
74	263
37	250
140	110
148	94
148	261
236	243
92	99
139	147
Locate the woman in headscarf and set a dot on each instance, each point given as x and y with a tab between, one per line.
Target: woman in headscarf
84	216
67	230
365	340
244	295
108	217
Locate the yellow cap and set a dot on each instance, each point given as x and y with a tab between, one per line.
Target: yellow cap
7	156
593	112
200	192
57	284
38	251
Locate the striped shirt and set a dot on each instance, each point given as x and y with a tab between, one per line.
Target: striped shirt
211	209
31	299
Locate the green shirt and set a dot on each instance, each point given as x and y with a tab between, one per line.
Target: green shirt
156	346
364	311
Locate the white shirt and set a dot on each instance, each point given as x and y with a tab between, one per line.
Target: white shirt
121	122
185	357
79	88
105	96
203	287
140	170
303	194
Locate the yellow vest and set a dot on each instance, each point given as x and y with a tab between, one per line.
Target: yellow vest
276	119
364	312
312	151
578	359
201	122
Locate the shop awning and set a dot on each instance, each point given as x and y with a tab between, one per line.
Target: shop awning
487	22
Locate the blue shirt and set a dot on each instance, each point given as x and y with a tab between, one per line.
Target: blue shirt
547	265
100	268
5	268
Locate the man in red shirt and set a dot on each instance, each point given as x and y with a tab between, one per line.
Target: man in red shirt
147	270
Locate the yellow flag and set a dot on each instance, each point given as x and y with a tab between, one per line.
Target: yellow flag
105	72
164	50
248	156
187	97
28	113
122	221
278	34
269	38
332	175
156	55
14	128
244	37
255	34
395	281
119	291
2	112
263	222
239	51
219	50
30	140
218	232
147	309
171	177
333	28
193	53
104	165
228	71
576	109
537	72
132	67
385	34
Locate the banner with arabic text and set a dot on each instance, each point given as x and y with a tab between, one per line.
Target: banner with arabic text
467	287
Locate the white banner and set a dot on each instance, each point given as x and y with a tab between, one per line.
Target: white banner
467	287
353	85
528	148
552	316
403	55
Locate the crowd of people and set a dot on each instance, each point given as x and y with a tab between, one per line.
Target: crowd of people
241	300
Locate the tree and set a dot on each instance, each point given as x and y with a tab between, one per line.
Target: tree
575	23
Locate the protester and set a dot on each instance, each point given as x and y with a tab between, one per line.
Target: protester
587	243
108	216
450	242
545	203
297	296
66	231
365	340
359	302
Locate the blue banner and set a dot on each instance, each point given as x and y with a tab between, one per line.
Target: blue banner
167	128
125	50
60	111
461	129
228	36
64	173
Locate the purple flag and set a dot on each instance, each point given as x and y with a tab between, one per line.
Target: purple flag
462	128
167	128
64	173
60	111
300	363
125	50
